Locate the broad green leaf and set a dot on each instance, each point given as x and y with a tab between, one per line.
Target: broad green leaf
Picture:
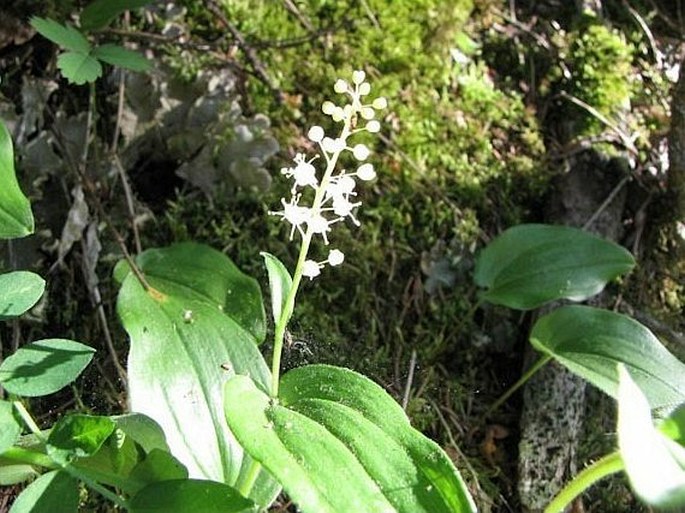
197	325
16	219
10	426
119	56
143	430
674	425
337	442
530	265
44	367
14	473
590	342
79	68
100	13
280	283
190	496
78	436
53	492
19	291
65	36
157	466
653	462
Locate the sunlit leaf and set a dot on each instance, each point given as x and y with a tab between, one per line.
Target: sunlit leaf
79	68
44	367
53	492
121	57
654	463
10	426
16	219
21	290
337	442
197	325
590	342
64	36
530	265
78	436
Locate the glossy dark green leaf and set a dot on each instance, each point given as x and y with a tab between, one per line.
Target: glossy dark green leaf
190	496
64	36
51	493
655	464
44	367
280	283
21	290
591	342
100	13
157	466
78	436
10	426
338	442
530	265
16	219
79	68
121	57
197	326
143	430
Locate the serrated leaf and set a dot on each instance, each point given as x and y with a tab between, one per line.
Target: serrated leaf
198	323
100	13
79	68
10	426
280	283
78	436
52	492
16	219
190	496
654	463
337	442
65	36
530	265
44	367
590	342
21	290
121	57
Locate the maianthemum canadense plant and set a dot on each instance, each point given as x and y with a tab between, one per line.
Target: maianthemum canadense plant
213	429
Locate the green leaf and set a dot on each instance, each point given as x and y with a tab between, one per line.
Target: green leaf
590	342
16	219
44	367
20	291
337	443
100	13
67	37
15	473
280	283
52	492
190	496
121	57
143	430
653	462
79	68
78	436
197	325
530	265
10	426
157	466
674	425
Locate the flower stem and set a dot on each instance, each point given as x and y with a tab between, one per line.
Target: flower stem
289	306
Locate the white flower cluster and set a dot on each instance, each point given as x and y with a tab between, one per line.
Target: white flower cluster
334	193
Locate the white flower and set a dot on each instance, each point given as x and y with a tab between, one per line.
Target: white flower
328	107
366	172
358	77
340	186
294	214
332	145
360	152
342	207
380	103
315	133
335	257
311	269
338	114
340	86
303	173
373	126
319	224
364	89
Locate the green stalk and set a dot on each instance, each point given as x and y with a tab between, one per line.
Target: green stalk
245	487
289	306
609	464
21	455
522	381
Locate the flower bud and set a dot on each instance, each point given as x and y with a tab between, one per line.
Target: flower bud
358	77
366	172
310	269
368	112
340	86
372	126
335	257
328	107
316	133
380	103
364	89
360	152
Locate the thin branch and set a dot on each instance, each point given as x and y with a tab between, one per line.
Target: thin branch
410	380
